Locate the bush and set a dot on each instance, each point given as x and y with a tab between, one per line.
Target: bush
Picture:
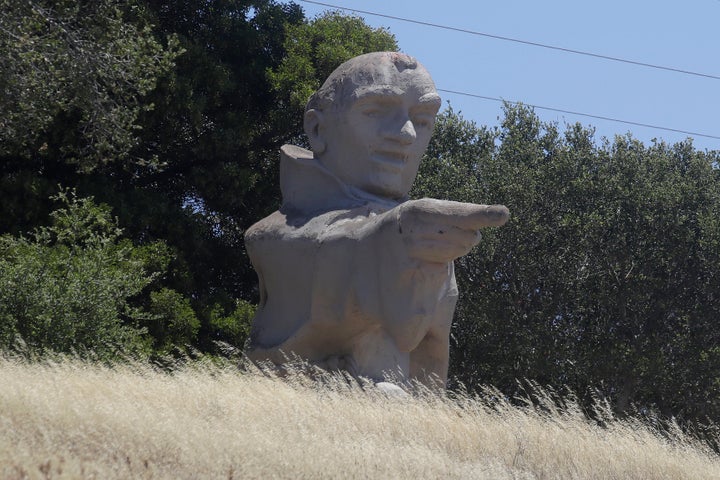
173	320
67	287
233	328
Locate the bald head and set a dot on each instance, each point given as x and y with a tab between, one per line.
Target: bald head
374	69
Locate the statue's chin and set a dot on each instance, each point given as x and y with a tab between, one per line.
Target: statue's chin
386	184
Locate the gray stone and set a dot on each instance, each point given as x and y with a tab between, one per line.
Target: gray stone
353	275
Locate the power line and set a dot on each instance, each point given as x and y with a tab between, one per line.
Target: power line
516	40
570	112
539	107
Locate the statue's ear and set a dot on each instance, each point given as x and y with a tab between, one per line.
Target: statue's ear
313	129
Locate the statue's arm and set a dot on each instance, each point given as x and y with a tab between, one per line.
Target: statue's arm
439	231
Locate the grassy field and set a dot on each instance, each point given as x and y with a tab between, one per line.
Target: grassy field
73	420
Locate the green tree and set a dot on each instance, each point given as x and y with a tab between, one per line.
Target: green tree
74	78
235	327
68	287
605	276
172	323
74	75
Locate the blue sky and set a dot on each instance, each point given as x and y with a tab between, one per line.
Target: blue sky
679	34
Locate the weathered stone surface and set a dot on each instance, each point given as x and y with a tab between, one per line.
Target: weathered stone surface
353	275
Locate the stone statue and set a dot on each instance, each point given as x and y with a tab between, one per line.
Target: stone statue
353	275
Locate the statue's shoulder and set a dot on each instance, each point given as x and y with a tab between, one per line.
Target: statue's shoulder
274	224
287	225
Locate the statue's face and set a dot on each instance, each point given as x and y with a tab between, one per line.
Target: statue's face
375	139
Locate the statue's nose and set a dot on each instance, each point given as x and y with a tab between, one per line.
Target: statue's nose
405	135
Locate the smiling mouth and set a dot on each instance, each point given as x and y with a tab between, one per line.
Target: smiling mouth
390	160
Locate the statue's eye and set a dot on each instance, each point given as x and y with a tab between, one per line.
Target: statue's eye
423	121
375	109
372	111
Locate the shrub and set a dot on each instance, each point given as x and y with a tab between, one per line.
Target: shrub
67	287
234	327
173	320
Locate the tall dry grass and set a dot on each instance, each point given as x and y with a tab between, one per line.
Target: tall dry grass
74	420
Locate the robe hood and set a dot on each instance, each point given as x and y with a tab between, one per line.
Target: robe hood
309	188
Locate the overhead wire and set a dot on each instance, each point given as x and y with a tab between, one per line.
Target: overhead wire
536	44
570	112
517	40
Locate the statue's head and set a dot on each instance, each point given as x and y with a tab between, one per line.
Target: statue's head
371	121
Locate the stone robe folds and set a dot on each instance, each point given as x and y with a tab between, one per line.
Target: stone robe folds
336	281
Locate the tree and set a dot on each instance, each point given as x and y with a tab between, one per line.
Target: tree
173	323
74	75
74	78
68	287
606	275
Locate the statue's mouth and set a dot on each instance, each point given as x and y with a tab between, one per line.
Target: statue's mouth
390	159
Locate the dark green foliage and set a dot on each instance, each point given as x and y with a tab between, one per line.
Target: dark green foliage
73	76
173	322
68	287
210	129
232	328
606	275
74	79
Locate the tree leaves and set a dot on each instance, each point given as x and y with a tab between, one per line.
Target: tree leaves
68	288
74	75
605	276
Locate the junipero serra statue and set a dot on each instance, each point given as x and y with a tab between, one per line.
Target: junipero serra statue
353	275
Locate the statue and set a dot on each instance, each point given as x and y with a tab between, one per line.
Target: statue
352	274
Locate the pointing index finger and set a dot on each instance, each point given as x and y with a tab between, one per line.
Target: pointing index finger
466	216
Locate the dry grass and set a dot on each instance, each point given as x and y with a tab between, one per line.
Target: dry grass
74	420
